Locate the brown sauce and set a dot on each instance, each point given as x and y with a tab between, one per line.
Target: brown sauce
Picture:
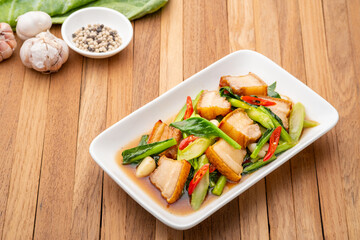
181	206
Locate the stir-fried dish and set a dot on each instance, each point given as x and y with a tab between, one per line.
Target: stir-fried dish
217	138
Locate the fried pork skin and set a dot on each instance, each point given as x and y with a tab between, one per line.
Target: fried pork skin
226	159
170	177
249	84
240	127
161	132
211	105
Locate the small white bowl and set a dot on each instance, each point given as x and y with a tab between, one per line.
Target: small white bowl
97	15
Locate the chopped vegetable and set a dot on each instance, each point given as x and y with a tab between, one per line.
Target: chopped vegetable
197	177
195	148
203	128
189	108
185	142
283	147
296	121
257	101
260	117
255	166
274	141
144	139
310	123
277	122
219	186
262	141
180	116
134	155
200	191
238	103
271	91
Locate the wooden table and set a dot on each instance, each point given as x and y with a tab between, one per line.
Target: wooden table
50	188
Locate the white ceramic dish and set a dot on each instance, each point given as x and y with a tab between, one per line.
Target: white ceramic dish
94	15
104	147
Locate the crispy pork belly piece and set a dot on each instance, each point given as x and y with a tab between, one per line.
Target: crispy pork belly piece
245	85
161	132
281	109
211	105
170	177
226	159
240	127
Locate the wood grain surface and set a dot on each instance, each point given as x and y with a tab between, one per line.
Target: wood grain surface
50	188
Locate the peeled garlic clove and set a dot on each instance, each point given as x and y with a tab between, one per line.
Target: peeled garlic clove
7	41
44	53
146	167
32	23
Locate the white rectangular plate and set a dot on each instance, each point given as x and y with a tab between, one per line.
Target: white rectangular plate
105	146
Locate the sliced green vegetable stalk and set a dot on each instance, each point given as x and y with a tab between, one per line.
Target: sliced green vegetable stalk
282	147
201	189
203	128
219	186
259	145
277	122
296	121
195	149
238	103
257	165
195	102
310	123
180	116
134	155
144	139
260	117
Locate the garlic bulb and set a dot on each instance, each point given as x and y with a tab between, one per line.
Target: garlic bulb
7	41
44	53
32	23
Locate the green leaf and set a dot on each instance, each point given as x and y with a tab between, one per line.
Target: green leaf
271	91
203	128
133	155
59	10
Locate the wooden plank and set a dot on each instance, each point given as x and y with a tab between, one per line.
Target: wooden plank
118	106
146	72
86	205
21	204
58	164
303	172
253	213
342	66
278	184
353	8
327	156
171	74
254	219
241	24
11	83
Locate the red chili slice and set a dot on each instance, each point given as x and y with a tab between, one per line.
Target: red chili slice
189	108
257	101
197	177
211	168
274	141
186	141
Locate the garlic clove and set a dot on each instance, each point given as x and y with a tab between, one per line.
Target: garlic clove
32	23
7	41
146	167
45	53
